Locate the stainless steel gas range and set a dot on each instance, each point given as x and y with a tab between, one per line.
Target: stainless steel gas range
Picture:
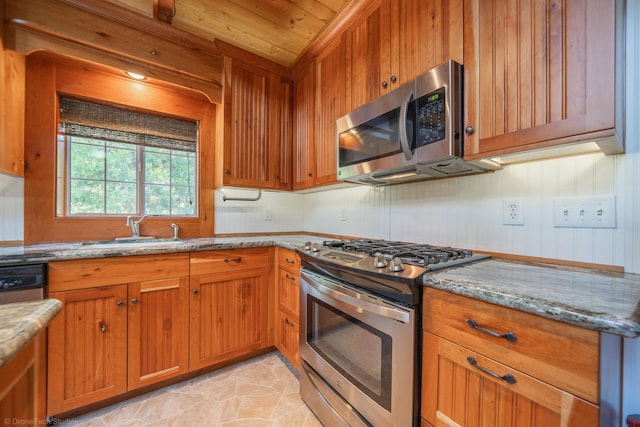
360	328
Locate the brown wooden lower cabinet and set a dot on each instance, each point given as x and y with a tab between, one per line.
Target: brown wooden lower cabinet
118	333
229	315
87	348
158	326
534	372
22	386
288	304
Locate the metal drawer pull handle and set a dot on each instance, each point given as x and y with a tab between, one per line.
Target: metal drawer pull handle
509	336
236	259
290	261
506	377
289	322
289	277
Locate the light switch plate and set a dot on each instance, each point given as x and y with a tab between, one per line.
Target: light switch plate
585	212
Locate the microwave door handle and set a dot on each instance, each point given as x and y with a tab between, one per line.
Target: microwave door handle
402	124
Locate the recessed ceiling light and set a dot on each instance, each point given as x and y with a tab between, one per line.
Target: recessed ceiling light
135	76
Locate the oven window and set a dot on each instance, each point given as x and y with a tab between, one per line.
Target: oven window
358	351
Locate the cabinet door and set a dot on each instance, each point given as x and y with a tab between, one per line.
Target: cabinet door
304	130
368	56
281	130
429	33
537	74
158	328
87	359
288	337
248	156
454	392
12	101
330	96
229	316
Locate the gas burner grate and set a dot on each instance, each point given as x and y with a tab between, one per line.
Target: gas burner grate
410	253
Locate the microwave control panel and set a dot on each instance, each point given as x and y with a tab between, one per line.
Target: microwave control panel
431	111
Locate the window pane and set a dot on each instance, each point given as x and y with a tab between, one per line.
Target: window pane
157	201
183	169
121	198
87	197
121	164
182	201
87	161
157	167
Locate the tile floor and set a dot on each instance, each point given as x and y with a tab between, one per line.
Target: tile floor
258	392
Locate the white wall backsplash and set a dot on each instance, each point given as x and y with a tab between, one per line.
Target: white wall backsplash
467	211
284	209
11	208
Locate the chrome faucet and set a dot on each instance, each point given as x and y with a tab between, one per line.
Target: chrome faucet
135	225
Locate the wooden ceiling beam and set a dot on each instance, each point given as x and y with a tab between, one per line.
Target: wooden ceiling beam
164	10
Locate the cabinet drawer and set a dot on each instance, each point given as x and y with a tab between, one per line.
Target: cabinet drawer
289	292
288	337
555	352
228	260
462	387
92	273
289	260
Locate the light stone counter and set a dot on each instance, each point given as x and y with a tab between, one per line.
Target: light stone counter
602	301
20	322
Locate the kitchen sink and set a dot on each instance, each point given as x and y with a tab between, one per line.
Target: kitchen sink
133	242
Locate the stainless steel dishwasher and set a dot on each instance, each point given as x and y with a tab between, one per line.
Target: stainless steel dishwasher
20	283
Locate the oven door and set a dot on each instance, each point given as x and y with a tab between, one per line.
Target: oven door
357	355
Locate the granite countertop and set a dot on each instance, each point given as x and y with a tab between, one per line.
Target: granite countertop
46	252
21	321
602	301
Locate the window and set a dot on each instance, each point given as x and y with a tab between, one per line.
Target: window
122	162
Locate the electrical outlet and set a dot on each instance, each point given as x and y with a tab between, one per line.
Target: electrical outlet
267	215
512	212
585	212
343	214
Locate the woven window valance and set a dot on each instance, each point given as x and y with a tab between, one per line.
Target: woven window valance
90	120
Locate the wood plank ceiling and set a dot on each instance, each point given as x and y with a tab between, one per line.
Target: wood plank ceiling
279	30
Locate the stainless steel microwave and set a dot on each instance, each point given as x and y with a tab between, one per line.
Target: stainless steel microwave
411	133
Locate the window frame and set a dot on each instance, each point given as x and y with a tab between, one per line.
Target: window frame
50	76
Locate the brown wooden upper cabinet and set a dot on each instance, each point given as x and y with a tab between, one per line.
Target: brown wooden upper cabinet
254	128
304	129
12	96
537	74
395	41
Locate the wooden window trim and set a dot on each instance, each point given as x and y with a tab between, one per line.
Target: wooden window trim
46	77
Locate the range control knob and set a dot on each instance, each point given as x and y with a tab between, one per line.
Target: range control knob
396	264
379	261
307	246
315	248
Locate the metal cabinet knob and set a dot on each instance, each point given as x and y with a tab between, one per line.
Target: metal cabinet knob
103	327
195	292
227	171
394	79
134	301
120	303
469	130
385	84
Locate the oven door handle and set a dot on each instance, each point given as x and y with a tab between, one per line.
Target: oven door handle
355	299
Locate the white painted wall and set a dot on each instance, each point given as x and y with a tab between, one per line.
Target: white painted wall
11	208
